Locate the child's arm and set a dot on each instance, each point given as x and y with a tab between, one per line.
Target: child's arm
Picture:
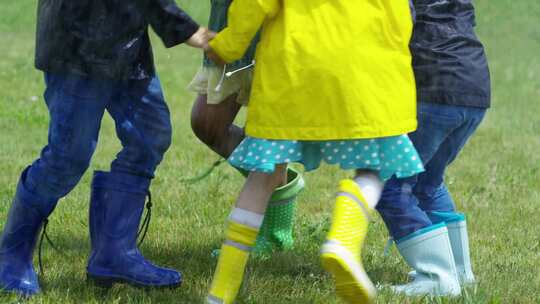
245	19
171	23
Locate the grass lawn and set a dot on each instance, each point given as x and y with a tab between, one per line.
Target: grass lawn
496	181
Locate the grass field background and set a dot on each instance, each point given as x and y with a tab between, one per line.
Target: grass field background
496	181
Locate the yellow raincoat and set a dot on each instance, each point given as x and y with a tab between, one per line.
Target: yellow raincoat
325	69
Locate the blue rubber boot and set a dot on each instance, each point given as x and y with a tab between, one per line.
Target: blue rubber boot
26	217
116	208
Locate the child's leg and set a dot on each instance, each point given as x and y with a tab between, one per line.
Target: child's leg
75	120
415	234
371	186
399	208
243	227
415	208
277	229
258	188
436	200
341	253
213	124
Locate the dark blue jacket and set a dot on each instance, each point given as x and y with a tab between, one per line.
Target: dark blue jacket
449	61
106	38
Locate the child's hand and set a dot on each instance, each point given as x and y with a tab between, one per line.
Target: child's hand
201	38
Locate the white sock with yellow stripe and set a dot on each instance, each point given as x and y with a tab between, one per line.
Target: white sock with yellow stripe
240	238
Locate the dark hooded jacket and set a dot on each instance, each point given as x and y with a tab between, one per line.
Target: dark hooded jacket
106	38
449	61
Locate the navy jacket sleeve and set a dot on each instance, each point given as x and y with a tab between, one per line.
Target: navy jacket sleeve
170	23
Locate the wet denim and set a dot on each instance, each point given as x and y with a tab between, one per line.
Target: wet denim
442	132
76	106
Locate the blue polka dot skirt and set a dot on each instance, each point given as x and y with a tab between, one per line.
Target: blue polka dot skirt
390	156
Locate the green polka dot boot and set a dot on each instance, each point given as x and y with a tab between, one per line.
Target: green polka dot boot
277	229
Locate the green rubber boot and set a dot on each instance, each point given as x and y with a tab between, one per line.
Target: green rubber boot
277	228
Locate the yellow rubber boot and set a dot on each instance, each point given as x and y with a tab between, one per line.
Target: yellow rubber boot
341	253
232	262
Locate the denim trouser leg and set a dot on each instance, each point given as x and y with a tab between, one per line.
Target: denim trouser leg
76	106
431	191
399	208
143	126
441	134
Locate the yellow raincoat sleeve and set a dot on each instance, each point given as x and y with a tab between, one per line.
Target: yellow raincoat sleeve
244	20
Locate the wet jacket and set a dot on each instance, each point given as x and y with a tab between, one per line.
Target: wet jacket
325	69
106	38
449	61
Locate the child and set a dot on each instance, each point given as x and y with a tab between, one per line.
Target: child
332	82
97	58
219	100
453	88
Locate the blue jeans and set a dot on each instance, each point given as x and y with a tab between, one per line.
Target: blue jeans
442	132
76	106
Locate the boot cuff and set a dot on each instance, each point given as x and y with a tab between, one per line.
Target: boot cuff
295	184
44	205
421	235
120	182
447	217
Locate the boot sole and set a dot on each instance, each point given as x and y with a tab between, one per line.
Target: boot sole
22	294
352	282
108	282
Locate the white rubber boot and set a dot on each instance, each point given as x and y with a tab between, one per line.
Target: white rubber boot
459	239
429	253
